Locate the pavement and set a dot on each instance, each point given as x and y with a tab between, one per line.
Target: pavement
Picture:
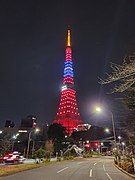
79	169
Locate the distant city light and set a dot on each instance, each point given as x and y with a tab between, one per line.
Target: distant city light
25	131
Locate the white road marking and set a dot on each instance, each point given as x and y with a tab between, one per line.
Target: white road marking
95	164
104	167
108	176
90	173
62	169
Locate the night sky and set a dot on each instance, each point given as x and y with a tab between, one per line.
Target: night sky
32	53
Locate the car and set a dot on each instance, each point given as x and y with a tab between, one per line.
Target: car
12	159
4	158
109	153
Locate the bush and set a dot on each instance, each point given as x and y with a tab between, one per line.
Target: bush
40	154
119	164
59	159
68	157
47	155
126	165
84	156
129	167
70	153
71	157
87	155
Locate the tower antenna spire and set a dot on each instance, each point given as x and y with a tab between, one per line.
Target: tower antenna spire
68	39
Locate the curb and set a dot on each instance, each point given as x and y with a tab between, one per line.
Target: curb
131	175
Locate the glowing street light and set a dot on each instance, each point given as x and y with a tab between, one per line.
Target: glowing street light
123	148
98	109
0	131
119	137
14	138
107	130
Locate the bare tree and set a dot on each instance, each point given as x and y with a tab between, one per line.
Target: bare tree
123	78
122	75
5	143
49	146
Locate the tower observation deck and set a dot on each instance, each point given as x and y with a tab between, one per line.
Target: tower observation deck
68	114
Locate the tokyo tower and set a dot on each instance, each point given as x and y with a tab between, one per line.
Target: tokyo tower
68	114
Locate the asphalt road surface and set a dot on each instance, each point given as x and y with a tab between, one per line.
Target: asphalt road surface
80	169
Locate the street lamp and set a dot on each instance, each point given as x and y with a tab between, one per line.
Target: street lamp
119	137
123	148
29	139
98	109
107	130
14	138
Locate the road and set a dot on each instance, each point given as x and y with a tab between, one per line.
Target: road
80	169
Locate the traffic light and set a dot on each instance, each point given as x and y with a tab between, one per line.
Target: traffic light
96	144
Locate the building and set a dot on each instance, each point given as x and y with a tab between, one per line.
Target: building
9	124
29	122
68	114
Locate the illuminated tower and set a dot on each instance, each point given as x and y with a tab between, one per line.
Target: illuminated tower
68	114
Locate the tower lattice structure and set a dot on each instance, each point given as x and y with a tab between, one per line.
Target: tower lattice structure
68	114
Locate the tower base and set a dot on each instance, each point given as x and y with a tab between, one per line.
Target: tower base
69	123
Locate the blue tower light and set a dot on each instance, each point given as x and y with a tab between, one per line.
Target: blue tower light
68	74
68	63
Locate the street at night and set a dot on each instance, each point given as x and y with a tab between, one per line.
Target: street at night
94	168
67	94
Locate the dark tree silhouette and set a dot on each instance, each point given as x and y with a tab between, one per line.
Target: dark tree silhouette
56	132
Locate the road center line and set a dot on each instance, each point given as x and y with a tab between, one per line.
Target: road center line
108	176
62	169
95	164
90	173
104	167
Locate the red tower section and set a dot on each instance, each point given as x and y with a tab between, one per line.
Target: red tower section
68	114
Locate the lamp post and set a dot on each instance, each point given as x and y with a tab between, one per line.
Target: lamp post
123	148
119	137
113	125
29	139
28	145
13	142
14	138
98	109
